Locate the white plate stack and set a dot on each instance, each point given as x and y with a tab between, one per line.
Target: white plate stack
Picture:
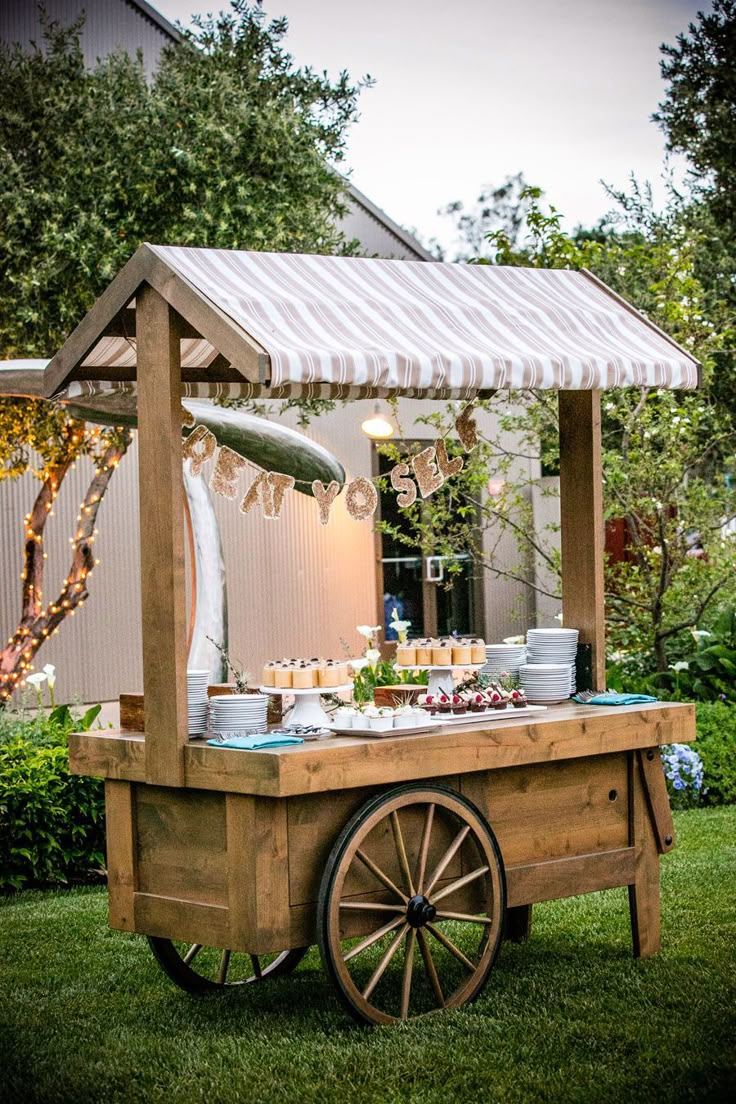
197	700
238	713
551	645
504	659
547	682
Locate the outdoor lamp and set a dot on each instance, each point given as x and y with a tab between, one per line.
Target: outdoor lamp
378	425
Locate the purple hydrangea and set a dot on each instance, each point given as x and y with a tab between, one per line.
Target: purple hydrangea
683	769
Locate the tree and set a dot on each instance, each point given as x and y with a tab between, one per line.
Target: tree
31	424
664	453
502	208
228	146
698	113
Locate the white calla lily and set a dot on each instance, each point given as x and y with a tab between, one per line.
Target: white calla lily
50	671
373	655
368	631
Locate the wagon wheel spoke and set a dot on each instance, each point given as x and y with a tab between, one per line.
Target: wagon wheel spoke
408	968
465	880
192	953
450	946
401	851
463	917
224	967
430	968
373	938
424	848
256	964
447	859
385	959
376	870
370	906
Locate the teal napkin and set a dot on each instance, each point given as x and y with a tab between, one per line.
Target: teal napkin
612	698
253	743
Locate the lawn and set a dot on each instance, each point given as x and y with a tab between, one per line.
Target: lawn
86	1015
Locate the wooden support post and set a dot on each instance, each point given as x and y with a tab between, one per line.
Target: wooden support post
120	854
581	523
162	539
518	923
644	902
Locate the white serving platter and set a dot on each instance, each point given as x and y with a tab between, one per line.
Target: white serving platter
429	726
489	716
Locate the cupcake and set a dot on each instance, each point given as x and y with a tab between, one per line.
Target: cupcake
458	705
518	699
427	704
406	655
478	651
477	703
444	704
497	701
462	653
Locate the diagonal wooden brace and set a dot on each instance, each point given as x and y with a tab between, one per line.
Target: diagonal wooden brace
651	773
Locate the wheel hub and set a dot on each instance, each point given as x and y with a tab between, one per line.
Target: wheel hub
420	912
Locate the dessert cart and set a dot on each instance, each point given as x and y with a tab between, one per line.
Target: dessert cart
406	859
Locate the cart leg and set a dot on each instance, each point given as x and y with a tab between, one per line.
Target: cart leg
518	923
644	903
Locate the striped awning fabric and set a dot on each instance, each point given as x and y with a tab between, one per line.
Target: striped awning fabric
366	326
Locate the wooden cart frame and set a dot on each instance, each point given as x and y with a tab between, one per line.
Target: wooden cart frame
249	852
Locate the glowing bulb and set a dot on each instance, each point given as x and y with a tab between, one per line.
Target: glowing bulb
378	426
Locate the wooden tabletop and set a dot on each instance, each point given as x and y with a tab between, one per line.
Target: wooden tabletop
566	731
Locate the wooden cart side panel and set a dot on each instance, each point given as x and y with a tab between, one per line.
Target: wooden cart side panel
180	844
258	873
120	854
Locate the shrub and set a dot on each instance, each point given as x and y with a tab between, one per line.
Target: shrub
52	825
716	745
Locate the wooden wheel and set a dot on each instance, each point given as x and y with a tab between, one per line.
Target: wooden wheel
200	969
411	905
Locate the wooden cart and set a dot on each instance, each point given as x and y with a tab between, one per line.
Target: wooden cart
408	858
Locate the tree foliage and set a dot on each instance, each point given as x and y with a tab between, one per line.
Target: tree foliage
229	145
698	113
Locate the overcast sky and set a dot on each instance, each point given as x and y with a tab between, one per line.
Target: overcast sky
468	91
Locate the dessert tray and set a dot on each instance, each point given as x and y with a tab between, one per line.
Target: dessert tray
488	716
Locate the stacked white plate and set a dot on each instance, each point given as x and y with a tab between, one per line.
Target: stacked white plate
547	682
239	713
551	645
197	700
504	659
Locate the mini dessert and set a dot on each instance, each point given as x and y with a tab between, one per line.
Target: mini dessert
477	703
406	655
477	651
423	651
444	704
442	653
404	717
518	699
462	653
345	716
427	704
269	674
497	701
458	705
282	675
302	677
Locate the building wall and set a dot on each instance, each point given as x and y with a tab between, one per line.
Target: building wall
109	25
293	586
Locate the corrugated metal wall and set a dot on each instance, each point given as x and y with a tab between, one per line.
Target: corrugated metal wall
293	586
109	25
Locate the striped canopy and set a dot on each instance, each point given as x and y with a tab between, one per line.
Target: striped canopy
364	326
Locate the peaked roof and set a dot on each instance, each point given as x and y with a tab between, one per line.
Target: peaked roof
294	323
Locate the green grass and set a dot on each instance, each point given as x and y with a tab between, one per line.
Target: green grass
86	1015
